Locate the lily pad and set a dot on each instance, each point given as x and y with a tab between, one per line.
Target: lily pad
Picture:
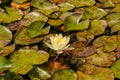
38	73
20	1
94	12
36	16
116	69
92	72
112	18
23	60
7	50
23	38
81	3
44	6
102	59
64	74
73	23
97	27
85	36
110	43
36	29
4	64
65	6
5	36
105	4
11	15
56	22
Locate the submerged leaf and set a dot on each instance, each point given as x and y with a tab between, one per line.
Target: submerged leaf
23	60
12	76
64	74
5	36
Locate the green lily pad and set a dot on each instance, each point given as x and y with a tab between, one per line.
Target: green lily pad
23	38
5	36
81	3
20	1
94	12
116	69
102	59
4	64
36	16
105	4
65	6
46	7
91	72
56	22
11	15
73	23
36	29
64	74
97	27
38	73
110	43
112	18
64	15
115	27
23	60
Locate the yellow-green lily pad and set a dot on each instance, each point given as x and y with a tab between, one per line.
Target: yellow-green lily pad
5	36
24	59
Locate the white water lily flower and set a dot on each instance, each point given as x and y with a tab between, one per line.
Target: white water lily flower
58	43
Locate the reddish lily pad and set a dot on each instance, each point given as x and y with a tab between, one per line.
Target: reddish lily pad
7	50
102	59
23	60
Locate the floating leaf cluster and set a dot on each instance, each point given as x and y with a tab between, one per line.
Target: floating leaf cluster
59	39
